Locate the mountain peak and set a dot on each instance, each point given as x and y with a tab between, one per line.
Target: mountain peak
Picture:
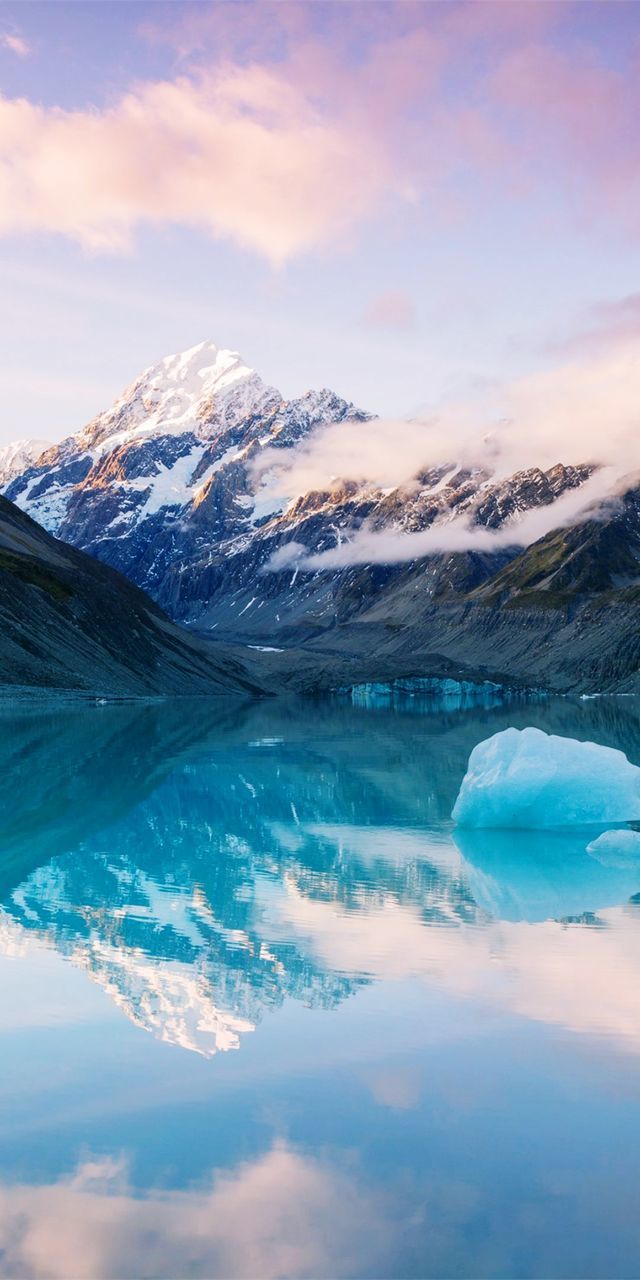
179	452
178	393
205	366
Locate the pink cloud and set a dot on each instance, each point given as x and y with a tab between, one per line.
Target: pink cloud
242	154
391	310
294	123
15	44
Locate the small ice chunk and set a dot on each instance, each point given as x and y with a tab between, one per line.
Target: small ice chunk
616	848
528	779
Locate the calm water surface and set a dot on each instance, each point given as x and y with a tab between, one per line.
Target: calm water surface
264	1013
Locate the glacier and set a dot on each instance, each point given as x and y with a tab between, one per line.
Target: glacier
433	693
422	692
527	779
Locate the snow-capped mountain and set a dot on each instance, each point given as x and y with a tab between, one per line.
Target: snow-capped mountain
166	475
174	486
18	456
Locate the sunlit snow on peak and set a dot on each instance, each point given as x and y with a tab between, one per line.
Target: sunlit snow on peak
205	384
204	365
17	456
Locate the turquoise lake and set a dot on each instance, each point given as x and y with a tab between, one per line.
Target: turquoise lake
265	1013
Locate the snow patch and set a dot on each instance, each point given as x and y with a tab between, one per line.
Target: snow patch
205	387
171	487
49	510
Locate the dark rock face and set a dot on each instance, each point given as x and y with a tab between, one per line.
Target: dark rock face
70	623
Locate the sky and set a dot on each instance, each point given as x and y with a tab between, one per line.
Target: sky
414	203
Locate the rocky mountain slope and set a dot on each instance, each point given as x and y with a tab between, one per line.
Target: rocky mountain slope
70	623
238	589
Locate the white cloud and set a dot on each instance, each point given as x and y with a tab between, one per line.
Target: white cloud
370	546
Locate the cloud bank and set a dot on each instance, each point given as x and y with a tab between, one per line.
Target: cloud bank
584	411
240	153
369	546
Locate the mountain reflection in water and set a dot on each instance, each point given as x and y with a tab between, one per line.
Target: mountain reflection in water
207	865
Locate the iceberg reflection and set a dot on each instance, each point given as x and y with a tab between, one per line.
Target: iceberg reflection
541	875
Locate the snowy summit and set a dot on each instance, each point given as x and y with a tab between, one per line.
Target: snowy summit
179	393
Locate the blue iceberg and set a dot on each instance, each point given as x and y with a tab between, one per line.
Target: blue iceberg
528	779
619	848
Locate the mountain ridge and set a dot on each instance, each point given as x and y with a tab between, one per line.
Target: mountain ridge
179	487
